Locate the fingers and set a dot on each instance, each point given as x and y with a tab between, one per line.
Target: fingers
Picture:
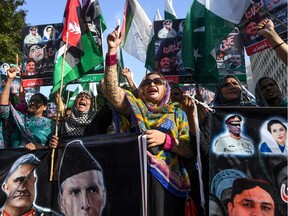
53	142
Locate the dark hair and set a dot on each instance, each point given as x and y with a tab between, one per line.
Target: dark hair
274	121
249	21
43	98
241	184
263	78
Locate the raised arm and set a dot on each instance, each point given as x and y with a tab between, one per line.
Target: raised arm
112	91
11	74
266	29
126	72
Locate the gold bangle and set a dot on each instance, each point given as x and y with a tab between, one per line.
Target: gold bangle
278	45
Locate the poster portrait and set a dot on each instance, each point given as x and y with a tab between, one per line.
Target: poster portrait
236	138
108	167
230	56
168	55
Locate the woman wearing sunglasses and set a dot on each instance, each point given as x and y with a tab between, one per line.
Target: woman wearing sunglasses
33	130
166	128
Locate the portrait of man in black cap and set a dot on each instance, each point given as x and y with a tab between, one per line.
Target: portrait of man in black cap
234	142
19	187
80	181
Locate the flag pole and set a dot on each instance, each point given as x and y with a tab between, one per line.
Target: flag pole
58	108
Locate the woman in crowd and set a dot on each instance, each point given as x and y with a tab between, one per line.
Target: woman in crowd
166	128
269	93
84	119
33	130
279	133
229	93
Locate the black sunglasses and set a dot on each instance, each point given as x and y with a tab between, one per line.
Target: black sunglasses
156	81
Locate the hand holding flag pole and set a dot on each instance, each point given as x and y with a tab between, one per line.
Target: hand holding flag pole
59	107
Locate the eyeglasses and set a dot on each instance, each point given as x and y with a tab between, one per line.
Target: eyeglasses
156	81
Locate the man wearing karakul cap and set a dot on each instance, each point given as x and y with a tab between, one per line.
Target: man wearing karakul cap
81	183
234	143
19	186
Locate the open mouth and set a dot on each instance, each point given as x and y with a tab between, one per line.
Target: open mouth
82	103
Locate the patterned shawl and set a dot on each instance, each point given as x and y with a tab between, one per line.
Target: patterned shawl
78	121
167	118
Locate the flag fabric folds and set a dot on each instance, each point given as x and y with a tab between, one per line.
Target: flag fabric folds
207	23
150	56
169	12
91	11
135	29
78	52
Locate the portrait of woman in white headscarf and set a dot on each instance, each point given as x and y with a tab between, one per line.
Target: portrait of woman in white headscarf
274	137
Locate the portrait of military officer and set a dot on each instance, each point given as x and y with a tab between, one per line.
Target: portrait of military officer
80	182
20	189
234	142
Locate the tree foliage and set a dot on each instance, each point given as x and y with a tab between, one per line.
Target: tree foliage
12	20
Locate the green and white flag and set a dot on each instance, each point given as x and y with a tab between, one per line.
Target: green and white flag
169	12
150	58
207	23
136	29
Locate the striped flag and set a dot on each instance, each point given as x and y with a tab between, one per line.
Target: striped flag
91	11
207	23
135	29
82	53
169	12
150	58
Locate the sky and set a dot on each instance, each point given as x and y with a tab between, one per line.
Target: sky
47	12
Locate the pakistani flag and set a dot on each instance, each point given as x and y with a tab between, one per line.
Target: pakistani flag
169	12
78	53
207	23
91	11
150	57
136	30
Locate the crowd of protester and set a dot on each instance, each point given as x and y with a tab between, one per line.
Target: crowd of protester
167	116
